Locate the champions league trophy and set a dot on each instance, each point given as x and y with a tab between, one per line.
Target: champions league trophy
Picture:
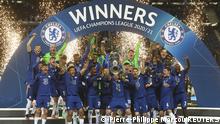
114	62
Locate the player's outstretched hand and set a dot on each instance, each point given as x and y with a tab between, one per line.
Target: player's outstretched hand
34	34
166	85
148	85
186	57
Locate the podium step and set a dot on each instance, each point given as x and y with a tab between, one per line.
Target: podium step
16	115
22	120
192	111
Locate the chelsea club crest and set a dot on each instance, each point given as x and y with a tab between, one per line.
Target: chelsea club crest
172	33
53	33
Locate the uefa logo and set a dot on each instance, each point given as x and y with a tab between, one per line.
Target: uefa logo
53	33
172	33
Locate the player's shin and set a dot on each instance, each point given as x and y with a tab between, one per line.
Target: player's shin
172	116
69	117
81	116
107	116
154	113
129	119
185	115
69	122
175	111
81	121
147	115
97	114
28	106
37	116
129	116
74	117
64	110
33	107
107	119
55	107
44	121
36	119
90	112
44	116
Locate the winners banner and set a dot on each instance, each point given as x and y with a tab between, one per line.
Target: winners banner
117	15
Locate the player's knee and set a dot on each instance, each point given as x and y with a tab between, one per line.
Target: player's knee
69	116
90	112
70	113
128	112
38	111
97	112
55	99
45	111
81	113
108	112
137	113
44	114
169	111
161	113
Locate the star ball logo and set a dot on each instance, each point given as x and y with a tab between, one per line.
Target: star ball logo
172	33
53	33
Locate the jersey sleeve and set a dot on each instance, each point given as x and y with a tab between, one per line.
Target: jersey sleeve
172	82
35	80
87	50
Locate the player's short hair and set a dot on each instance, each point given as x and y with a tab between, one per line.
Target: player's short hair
44	64
168	68
52	57
131	50
70	66
135	68
70	63
64	57
41	62
76	55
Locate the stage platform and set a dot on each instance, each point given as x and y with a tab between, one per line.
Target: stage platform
16	115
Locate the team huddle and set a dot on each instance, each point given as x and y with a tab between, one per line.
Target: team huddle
101	84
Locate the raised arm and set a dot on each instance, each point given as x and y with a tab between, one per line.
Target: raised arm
142	66
88	49
187	64
34	80
82	72
30	42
